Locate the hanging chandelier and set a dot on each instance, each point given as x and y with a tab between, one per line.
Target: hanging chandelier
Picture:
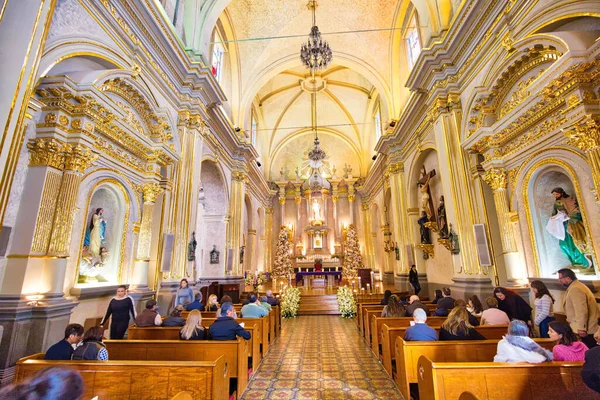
316	53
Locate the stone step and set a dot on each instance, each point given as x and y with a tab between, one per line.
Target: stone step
319	312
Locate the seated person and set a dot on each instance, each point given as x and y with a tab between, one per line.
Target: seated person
271	299
265	304
247	301
193	329
517	346
175	318
438	296
394	308
457	327
92	347
63	350
226	328
590	373
150	316
254	309
415	303
226	299
196	304
386	297
472	319
212	304
493	315
568	347
445	304
420	331
47	384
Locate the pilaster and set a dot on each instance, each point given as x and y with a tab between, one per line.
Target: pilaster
236	204
399	213
268	238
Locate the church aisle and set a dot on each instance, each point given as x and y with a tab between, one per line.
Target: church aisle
320	357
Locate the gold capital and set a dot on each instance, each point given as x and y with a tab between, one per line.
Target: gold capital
45	153
335	198
298	200
269	210
351	198
395	168
365	207
585	136
282	200
78	157
495	178
151	191
238	175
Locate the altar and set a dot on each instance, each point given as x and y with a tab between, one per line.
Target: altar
334	278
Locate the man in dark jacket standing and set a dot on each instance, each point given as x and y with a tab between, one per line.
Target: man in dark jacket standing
63	350
413	278
226	328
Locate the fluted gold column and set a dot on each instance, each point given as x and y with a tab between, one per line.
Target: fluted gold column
351	198
268	238
399	206
78	158
235	224
586	137
496	179
150	192
369	250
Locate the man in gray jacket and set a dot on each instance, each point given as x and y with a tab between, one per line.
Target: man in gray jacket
415	303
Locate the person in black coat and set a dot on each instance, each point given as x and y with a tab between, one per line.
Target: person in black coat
513	305
386	298
226	328
438	296
413	278
120	308
445	304
590	373
196	304
457	327
63	350
175	318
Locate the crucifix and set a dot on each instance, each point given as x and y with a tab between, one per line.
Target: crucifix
425	191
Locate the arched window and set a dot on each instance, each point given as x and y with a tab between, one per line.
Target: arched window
253	128
218	55
378	128
413	40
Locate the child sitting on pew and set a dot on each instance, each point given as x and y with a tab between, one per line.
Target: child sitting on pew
517	346
193	329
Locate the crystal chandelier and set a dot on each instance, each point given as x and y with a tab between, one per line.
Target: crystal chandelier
316	53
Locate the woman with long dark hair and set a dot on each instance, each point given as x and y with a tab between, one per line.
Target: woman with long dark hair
386	297
120	308
92	347
438	296
474	306
513	304
394	308
543	307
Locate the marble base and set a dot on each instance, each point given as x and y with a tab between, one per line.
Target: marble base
140	297
401	283
465	287
84	293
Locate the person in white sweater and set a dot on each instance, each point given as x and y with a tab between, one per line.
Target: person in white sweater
517	346
543	307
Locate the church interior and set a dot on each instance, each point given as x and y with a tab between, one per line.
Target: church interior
315	149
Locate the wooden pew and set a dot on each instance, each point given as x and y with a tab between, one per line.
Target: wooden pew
377	323
140	379
368	312
359	313
234	351
391	333
408	353
172	333
495	381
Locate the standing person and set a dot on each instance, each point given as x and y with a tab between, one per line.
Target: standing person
580	306
517	346
445	304
185	294
457	327
63	350
543	307
193	329
212	304
568	347
120	307
394	308
149	317
513	305
474	306
92	347
386	298
413	278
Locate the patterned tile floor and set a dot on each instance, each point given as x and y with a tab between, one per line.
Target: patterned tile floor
320	357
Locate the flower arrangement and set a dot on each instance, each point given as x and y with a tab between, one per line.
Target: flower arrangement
290	302
346	302
255	279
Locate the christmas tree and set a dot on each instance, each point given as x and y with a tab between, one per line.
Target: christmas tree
282	264
352	257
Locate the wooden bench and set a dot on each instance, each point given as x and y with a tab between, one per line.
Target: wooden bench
391	333
408	353
172	333
499	381
368	313
377	323
112	379
359	313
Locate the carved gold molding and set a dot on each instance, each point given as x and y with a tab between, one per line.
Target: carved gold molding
150	191
78	157
496	178
45	153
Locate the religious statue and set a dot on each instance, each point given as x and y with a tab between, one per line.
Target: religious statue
423	184
214	255
192	248
97	232
425	234
397	250
441	219
298	175
282	173
242	248
566	224
347	171
316	210
333	172
453	237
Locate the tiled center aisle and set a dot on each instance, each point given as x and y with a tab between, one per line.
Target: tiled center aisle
320	357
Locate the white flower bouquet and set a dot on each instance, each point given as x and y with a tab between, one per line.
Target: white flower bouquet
346	302
290	302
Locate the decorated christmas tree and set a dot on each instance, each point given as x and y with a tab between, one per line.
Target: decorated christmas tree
352	257
282	265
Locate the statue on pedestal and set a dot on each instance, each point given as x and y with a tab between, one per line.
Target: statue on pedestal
441	219
425	233
316	210
347	171
192	248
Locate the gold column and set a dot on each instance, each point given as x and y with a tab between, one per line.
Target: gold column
235	224
268	238
496	179
369	251
78	158
351	198
400	207
46	153
150	192
586	137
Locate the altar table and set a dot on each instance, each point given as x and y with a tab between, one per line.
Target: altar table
333	277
